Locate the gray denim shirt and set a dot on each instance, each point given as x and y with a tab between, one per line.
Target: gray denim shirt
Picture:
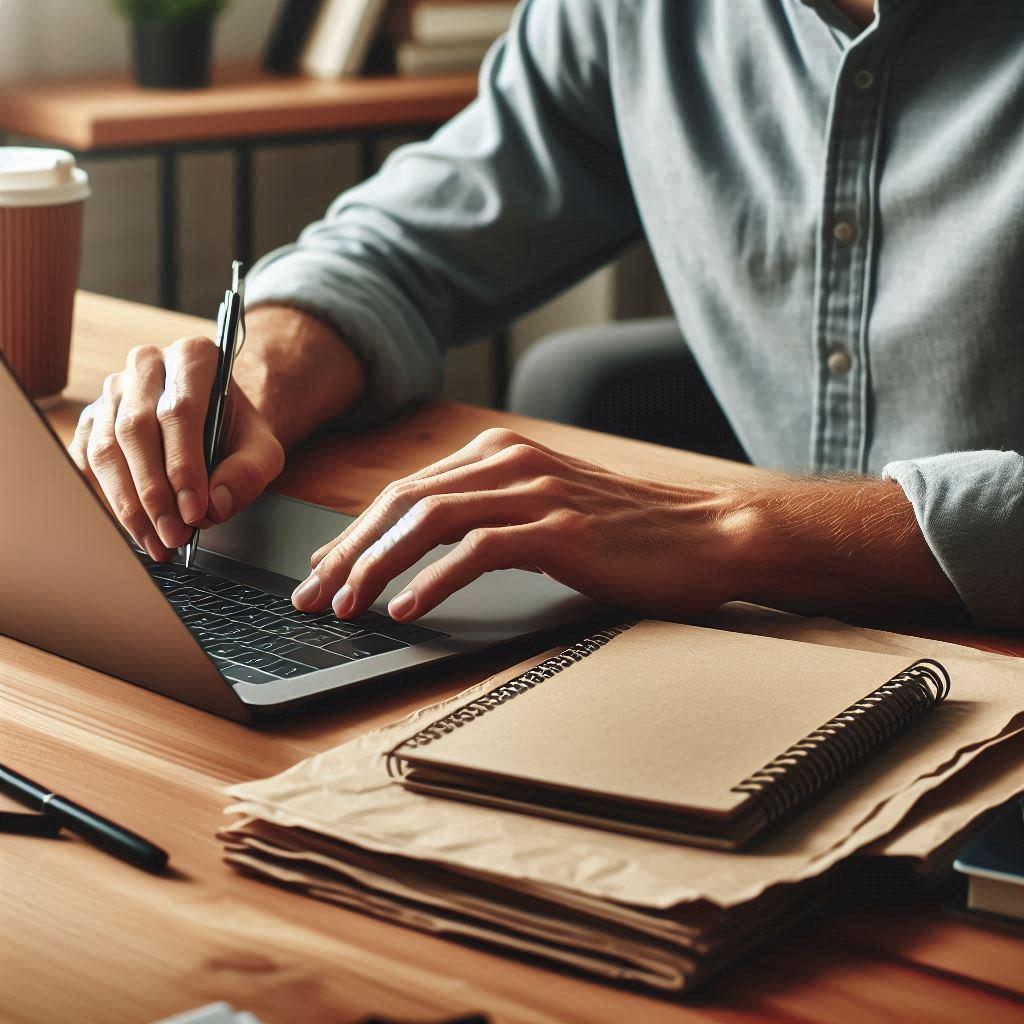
838	216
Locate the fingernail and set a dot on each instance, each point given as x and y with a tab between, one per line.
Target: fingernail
307	591
154	548
171	531
343	601
223	503
189	505
402	605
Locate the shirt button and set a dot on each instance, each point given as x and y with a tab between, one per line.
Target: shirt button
839	361
843	231
863	79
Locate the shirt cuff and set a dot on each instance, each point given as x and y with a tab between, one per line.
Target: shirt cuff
970	507
400	357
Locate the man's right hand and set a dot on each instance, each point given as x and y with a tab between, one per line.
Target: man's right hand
141	445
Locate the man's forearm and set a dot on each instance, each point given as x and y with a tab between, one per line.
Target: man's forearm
296	371
845	546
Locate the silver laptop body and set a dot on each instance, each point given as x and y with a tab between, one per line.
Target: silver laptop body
72	583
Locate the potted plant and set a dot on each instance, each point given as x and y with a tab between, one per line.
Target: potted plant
171	40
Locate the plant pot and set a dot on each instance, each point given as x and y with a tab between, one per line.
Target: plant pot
172	55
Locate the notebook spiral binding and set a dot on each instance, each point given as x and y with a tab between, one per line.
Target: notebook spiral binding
499	695
829	751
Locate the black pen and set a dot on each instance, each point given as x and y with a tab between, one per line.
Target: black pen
230	320
111	838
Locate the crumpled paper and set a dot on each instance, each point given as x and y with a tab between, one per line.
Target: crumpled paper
345	793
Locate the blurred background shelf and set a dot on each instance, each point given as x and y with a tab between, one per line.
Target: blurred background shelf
110	116
111	113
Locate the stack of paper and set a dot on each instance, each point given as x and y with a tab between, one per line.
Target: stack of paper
659	914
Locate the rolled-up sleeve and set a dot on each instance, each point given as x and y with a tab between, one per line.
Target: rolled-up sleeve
521	194
970	507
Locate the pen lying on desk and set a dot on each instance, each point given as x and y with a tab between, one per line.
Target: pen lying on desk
94	829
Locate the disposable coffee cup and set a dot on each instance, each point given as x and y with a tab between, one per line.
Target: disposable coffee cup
42	198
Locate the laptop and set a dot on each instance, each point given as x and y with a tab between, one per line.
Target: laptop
222	635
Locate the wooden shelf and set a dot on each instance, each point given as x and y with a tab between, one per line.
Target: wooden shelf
111	112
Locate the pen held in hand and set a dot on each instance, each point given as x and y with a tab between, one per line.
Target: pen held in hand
230	320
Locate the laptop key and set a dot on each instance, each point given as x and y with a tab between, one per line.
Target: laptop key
216	585
211	623
285	669
245	637
204	638
219	606
236	631
410	633
226	649
315	637
203	581
365	646
241	593
316	657
298	618
254	618
272	644
340	630
257	659
264	601
371	620
245	674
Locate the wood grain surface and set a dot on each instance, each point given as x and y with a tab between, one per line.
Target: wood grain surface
243	102
89	939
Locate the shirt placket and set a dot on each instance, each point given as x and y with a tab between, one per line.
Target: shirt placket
848	226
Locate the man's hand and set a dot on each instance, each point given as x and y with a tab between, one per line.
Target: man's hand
663	549
141	444
660	549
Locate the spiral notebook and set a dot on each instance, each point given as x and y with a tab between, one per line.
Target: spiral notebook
671	731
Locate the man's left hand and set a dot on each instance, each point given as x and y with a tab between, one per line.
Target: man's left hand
660	549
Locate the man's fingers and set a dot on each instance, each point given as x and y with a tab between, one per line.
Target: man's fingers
439	519
507	467
138	434
191	365
108	465
481	551
79	443
257	457
483	447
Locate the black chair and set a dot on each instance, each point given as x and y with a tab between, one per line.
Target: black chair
634	378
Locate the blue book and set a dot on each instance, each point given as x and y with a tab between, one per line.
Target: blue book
994	865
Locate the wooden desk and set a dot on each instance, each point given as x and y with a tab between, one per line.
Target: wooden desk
88	939
110	116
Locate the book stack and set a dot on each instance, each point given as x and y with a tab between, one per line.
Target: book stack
437	36
337	38
323	38
651	803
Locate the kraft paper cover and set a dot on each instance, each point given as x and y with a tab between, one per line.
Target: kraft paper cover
345	793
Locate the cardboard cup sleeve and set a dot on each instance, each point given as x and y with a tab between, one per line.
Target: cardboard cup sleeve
40	249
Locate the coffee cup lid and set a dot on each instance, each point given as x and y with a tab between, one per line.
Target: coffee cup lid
40	177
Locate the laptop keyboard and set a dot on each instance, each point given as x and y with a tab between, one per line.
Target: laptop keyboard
256	637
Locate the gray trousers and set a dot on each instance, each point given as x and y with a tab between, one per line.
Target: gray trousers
634	378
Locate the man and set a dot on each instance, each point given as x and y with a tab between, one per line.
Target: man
834	199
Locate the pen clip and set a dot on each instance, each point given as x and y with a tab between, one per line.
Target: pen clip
238	287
